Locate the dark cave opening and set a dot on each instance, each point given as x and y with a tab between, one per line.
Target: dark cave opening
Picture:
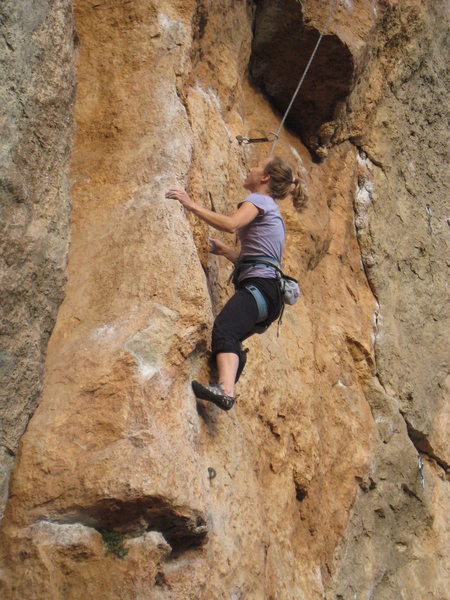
282	45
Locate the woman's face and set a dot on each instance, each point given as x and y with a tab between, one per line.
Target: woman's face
255	175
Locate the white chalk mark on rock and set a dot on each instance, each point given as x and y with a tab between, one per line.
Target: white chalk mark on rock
151	345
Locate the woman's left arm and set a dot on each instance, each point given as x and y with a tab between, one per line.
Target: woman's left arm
245	214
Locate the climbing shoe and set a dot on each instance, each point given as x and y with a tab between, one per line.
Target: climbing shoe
213	393
242	362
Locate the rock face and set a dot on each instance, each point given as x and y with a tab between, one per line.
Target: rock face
37	91
328	478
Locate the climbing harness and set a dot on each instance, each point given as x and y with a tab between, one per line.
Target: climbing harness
261	303
241	139
289	288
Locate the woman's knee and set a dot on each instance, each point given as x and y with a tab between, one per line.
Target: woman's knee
223	340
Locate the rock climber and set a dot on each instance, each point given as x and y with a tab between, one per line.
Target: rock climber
257	300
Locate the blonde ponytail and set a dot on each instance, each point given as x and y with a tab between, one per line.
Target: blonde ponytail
300	193
282	182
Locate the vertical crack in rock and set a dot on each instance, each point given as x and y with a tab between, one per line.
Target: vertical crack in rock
422	444
6	464
363	198
283	43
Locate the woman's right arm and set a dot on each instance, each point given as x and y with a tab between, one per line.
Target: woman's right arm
221	249
244	215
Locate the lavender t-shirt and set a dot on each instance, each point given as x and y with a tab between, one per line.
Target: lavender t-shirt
264	236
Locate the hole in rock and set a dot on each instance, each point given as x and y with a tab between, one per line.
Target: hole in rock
282	46
365	485
419	439
300	492
182	528
160	580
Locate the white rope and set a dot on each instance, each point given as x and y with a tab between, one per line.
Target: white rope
302	78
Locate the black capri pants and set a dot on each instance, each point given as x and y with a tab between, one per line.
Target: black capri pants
239	316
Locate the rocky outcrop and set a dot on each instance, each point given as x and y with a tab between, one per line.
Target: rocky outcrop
37	95
124	485
403	234
401	227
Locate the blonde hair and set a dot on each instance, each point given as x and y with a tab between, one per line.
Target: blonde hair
282	180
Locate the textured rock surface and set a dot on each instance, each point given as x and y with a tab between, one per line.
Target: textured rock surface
406	237
37	86
124	486
401	224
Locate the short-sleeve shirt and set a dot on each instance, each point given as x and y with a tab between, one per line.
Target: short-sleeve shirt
264	236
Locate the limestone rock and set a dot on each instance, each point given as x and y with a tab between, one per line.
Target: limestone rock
37	85
311	487
406	231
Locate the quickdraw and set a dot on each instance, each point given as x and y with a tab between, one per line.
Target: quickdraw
245	140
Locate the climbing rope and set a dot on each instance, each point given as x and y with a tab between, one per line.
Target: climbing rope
242	140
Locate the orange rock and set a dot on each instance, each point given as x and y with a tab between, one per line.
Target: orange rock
124	485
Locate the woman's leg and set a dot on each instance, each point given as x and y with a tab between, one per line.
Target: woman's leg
227	365
235	321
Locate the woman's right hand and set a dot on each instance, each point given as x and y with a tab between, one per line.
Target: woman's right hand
216	246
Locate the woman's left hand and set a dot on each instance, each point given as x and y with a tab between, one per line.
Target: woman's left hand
182	197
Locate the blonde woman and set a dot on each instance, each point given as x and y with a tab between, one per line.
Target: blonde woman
257	301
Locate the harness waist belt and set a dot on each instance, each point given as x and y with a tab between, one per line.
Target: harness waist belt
268	261
250	261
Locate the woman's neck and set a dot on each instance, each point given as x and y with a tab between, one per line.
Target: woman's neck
262	189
